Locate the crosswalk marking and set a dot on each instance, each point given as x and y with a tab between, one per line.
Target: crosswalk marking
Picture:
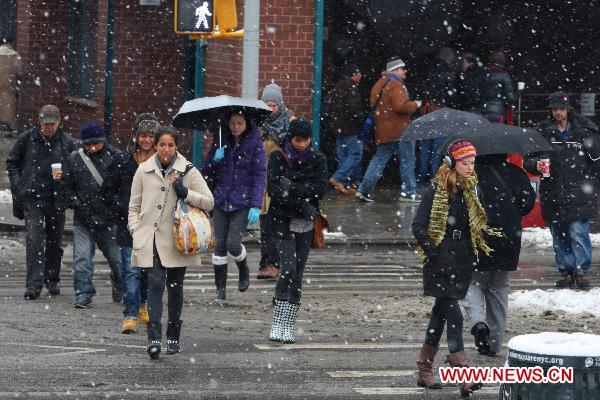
418	391
344	346
363	374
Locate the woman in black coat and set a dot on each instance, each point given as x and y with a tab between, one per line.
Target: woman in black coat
450	226
296	180
509	196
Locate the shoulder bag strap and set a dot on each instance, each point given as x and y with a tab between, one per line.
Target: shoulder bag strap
91	167
380	92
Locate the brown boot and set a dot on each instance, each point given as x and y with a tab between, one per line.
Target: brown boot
338	186
425	376
459	359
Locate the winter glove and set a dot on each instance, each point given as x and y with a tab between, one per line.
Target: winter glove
285	184
253	215
219	154
309	212
180	190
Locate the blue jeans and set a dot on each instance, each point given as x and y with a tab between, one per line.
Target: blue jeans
572	245
429	158
135	285
349	152
405	152
84	241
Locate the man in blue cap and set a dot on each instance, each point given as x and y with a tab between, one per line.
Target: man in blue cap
94	221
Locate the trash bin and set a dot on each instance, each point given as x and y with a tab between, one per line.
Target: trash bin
577	350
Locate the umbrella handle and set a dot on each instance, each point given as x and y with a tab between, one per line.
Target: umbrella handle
220	140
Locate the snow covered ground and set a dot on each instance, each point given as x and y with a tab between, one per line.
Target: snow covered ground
541	238
566	300
5	196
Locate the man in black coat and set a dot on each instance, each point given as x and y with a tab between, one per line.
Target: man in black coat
508	197
94	221
31	180
497	92
568	190
470	85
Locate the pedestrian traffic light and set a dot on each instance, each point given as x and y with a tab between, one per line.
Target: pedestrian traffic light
226	14
194	16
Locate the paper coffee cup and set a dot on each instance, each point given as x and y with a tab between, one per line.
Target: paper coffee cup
56	167
546	172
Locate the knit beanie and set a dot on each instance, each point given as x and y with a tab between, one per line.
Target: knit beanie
272	92
462	150
300	127
394	64
91	132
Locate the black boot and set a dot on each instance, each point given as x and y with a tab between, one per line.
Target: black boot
173	331
482	339
220	280
244	281
154	335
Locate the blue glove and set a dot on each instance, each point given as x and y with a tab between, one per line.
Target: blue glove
219	154
253	215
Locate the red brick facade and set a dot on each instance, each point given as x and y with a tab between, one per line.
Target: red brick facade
148	62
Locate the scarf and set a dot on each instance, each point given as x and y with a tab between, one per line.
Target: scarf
477	218
278	125
295	157
165	169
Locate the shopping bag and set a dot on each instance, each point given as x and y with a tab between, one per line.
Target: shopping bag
192	230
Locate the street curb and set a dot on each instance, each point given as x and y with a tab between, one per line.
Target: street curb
253	241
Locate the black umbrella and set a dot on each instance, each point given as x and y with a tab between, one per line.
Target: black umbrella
442	123
205	112
502	139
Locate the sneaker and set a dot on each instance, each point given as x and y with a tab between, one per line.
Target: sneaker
143	316
565	281
83	302
129	325
338	186
413	198
153	349
582	281
364	197
31	294
53	288
117	294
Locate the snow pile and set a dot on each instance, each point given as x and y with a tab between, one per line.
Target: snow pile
557	343
569	301
334	235
541	237
5	196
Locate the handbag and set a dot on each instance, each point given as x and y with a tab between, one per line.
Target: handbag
321	224
192	229
367	130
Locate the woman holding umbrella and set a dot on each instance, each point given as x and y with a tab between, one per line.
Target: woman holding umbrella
450	226
235	171
297	179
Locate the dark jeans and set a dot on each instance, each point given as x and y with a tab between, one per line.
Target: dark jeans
135	285
44	227
293	254
84	241
229	228
157	277
268	245
429	158
349	152
445	309
572	246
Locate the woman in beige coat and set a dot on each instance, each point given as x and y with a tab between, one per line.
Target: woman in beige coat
156	186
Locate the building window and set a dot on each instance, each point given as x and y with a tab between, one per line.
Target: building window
8	11
82	49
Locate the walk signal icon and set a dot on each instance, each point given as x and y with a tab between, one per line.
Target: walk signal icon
194	16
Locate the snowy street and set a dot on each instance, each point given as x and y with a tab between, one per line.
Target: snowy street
359	331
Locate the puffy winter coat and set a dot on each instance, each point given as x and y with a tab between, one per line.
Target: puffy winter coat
309	184
498	92
347	111
508	197
79	190
449	268
240	176
392	114
570	193
151	212
469	89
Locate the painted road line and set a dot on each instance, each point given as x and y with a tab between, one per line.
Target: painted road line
419	391
72	350
344	346
363	374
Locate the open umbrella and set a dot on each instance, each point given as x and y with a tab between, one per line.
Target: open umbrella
502	139
442	123
205	112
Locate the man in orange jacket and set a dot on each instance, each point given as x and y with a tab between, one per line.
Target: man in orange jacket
393	107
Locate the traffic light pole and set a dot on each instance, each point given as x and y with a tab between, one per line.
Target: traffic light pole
251	49
198	146
317	71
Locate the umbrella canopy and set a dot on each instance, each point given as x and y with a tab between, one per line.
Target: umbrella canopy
502	139
206	111
442	123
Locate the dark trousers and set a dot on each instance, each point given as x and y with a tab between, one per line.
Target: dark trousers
268	245
293	253
446	310
158	276
44	226
229	229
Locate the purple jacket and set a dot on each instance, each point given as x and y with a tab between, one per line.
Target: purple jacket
241	175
